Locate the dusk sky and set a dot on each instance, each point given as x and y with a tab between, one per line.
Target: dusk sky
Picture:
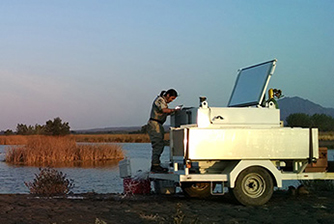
100	64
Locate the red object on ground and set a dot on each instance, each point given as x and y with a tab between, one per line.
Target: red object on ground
134	186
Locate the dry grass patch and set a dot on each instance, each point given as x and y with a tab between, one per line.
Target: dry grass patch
326	136
47	150
13	140
119	138
88	138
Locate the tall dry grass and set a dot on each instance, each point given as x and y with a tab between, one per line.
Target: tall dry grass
326	136
90	138
120	138
13	139
47	150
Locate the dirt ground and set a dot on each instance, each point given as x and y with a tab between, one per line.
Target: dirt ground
115	208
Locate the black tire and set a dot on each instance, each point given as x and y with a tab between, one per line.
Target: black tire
196	189
254	186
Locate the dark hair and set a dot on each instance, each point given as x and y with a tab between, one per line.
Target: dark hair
170	92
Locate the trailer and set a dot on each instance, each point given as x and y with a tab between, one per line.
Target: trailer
243	147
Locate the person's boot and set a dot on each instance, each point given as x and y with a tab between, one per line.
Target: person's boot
158	169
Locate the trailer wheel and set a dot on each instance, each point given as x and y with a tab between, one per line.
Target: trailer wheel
254	186
196	189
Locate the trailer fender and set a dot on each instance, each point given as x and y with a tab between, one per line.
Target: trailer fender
243	164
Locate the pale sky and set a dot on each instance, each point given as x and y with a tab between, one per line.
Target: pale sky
100	64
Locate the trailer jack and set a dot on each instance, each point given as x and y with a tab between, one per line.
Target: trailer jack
218	186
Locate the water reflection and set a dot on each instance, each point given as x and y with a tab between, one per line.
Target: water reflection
98	177
110	164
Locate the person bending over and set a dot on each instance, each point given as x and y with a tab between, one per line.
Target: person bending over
159	113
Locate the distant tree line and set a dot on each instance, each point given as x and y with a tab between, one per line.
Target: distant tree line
321	121
143	130
56	127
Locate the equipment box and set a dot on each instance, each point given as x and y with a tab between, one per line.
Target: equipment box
321	164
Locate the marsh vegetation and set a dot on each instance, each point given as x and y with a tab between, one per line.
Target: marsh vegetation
86	138
50	150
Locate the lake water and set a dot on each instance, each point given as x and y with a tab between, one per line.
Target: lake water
101	179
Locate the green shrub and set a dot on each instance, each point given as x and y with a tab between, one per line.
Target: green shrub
50	182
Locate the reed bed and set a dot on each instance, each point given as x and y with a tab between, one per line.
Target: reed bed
119	138
47	150
326	136
89	138
13	139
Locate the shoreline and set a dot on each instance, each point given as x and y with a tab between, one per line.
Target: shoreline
116	208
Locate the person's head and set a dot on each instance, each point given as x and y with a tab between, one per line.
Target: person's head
169	95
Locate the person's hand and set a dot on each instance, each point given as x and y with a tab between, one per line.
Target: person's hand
178	107
173	111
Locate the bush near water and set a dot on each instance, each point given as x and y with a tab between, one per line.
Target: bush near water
50	182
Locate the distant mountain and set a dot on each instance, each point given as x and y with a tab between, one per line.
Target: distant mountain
292	105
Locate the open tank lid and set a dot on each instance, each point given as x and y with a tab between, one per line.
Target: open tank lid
251	84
